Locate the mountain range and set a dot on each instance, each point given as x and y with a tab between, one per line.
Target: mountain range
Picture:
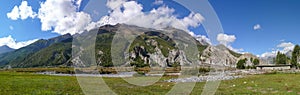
5	49
150	48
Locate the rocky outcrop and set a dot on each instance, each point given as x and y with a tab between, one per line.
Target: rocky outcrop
157	58
250	57
163	48
217	56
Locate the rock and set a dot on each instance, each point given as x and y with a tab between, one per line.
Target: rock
218	56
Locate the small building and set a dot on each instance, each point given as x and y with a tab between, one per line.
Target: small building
274	67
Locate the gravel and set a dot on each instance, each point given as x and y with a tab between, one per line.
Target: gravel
120	74
203	78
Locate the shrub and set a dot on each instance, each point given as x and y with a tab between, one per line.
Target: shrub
241	64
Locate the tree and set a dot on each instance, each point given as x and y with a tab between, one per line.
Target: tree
255	61
295	56
281	58
241	64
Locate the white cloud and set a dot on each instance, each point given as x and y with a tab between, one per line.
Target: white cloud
158	2
227	40
286	46
115	4
14	14
157	18
59	16
257	27
11	27
268	54
62	17
283	47
78	2
23	12
12	43
203	39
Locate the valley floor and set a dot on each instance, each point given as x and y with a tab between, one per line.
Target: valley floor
13	83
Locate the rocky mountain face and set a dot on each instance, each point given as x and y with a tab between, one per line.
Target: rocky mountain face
5	49
249	57
168	47
156	49
218	55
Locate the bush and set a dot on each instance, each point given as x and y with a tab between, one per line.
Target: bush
255	61
204	70
241	64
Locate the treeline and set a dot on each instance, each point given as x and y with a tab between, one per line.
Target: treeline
280	59
241	64
293	60
295	56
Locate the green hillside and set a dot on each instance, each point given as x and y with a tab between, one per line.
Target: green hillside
58	52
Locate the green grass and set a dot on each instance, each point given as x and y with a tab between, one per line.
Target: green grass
25	83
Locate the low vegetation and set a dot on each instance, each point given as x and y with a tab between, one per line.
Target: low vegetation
241	64
27	83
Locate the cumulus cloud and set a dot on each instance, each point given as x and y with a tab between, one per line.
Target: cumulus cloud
268	54
14	14
78	2
286	46
12	43
203	39
130	12
257	27
158	18
62	17
24	11
283	47
226	40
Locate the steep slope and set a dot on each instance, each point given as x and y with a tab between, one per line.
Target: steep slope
250	57
218	55
56	54
5	49
224	48
18	56
150	48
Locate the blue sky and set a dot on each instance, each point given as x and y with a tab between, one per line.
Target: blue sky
278	21
23	30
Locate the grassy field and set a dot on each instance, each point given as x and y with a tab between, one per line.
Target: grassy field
26	83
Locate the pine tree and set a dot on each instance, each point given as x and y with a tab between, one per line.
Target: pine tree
281	58
295	56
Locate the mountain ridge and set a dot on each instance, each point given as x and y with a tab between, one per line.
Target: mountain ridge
150	45
5	49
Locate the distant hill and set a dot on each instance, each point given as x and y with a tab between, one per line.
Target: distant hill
5	49
18	56
151	48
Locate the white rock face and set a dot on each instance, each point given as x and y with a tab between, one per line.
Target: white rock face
248	56
216	56
158	58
